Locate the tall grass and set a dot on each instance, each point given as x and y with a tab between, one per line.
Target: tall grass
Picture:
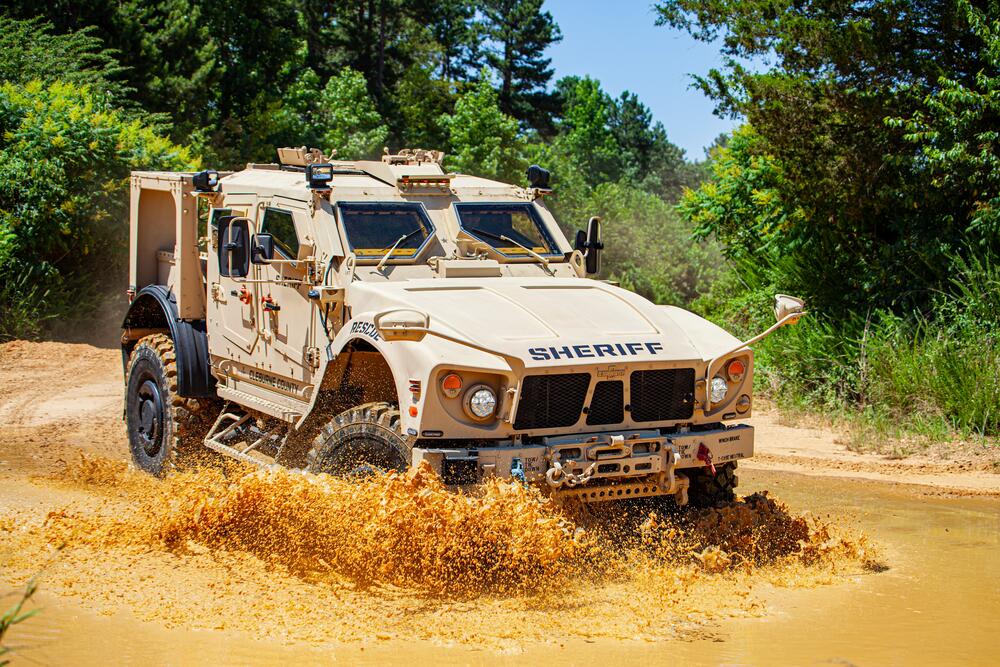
935	373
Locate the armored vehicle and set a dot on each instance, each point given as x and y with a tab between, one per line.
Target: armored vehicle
350	316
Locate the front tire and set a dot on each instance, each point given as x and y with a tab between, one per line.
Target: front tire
360	441
163	427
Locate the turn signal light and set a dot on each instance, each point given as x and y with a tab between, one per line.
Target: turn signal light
736	370
451	385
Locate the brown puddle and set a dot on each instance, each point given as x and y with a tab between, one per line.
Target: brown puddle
394	566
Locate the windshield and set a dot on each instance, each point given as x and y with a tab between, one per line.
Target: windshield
372	229
506	227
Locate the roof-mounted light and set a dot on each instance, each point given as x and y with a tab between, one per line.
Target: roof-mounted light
206	181
538	177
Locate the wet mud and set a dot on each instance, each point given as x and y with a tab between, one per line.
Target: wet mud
402	557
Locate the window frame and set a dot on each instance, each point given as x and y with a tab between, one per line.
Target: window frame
278	244
422	211
533	213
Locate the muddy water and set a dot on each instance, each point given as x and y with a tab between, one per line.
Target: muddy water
938	603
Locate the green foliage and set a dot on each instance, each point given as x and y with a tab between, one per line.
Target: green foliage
65	158
957	134
29	51
648	247
866	179
233	81
517	33
14	615
862	210
483	138
347	118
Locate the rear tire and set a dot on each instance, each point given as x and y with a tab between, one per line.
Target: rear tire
163	427
360	441
709	490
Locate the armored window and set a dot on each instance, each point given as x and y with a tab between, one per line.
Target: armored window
508	227
279	225
373	229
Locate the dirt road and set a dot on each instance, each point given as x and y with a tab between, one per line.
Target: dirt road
255	568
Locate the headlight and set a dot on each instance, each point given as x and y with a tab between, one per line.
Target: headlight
719	389
481	402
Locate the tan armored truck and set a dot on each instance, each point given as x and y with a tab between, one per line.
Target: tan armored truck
349	316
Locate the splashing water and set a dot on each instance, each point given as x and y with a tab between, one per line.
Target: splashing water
379	545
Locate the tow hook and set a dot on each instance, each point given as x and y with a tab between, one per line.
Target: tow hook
557	476
517	471
705	454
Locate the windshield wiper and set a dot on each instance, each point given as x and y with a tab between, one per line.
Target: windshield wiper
500	237
392	248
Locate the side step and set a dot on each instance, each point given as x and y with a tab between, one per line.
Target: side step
227	426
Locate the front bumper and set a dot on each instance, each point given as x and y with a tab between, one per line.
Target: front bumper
596	466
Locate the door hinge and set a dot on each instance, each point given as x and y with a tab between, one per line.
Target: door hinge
312	356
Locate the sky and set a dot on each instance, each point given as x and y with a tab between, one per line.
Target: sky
619	44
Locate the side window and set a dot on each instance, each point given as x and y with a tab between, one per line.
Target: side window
234	247
209	226
278	224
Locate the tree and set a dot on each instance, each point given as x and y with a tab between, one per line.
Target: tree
863	216
647	156
29	51
957	134
210	66
347	118
484	140
517	33
65	158
585	142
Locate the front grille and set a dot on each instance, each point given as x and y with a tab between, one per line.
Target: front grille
608	404
551	401
662	395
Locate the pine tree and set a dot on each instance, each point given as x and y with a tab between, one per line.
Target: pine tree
517	32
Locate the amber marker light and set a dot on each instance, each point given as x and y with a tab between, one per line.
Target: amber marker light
451	385
736	370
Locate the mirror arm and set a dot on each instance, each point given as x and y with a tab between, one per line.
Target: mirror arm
791	318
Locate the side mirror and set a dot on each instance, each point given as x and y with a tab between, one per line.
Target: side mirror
590	244
785	305
402	324
234	246
263	249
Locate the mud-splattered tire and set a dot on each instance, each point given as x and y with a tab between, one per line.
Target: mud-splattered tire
709	490
163	427
359	440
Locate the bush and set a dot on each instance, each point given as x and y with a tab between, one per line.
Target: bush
65	158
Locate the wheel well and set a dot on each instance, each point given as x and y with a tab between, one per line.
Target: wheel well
154	310
360	374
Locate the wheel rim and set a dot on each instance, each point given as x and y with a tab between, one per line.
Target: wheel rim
149	417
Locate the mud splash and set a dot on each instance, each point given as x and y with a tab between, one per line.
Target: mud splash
272	548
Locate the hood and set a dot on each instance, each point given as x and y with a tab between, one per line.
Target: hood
554	321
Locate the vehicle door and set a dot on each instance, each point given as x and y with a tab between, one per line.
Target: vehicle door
232	307
287	322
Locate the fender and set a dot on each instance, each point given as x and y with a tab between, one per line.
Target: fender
156	307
